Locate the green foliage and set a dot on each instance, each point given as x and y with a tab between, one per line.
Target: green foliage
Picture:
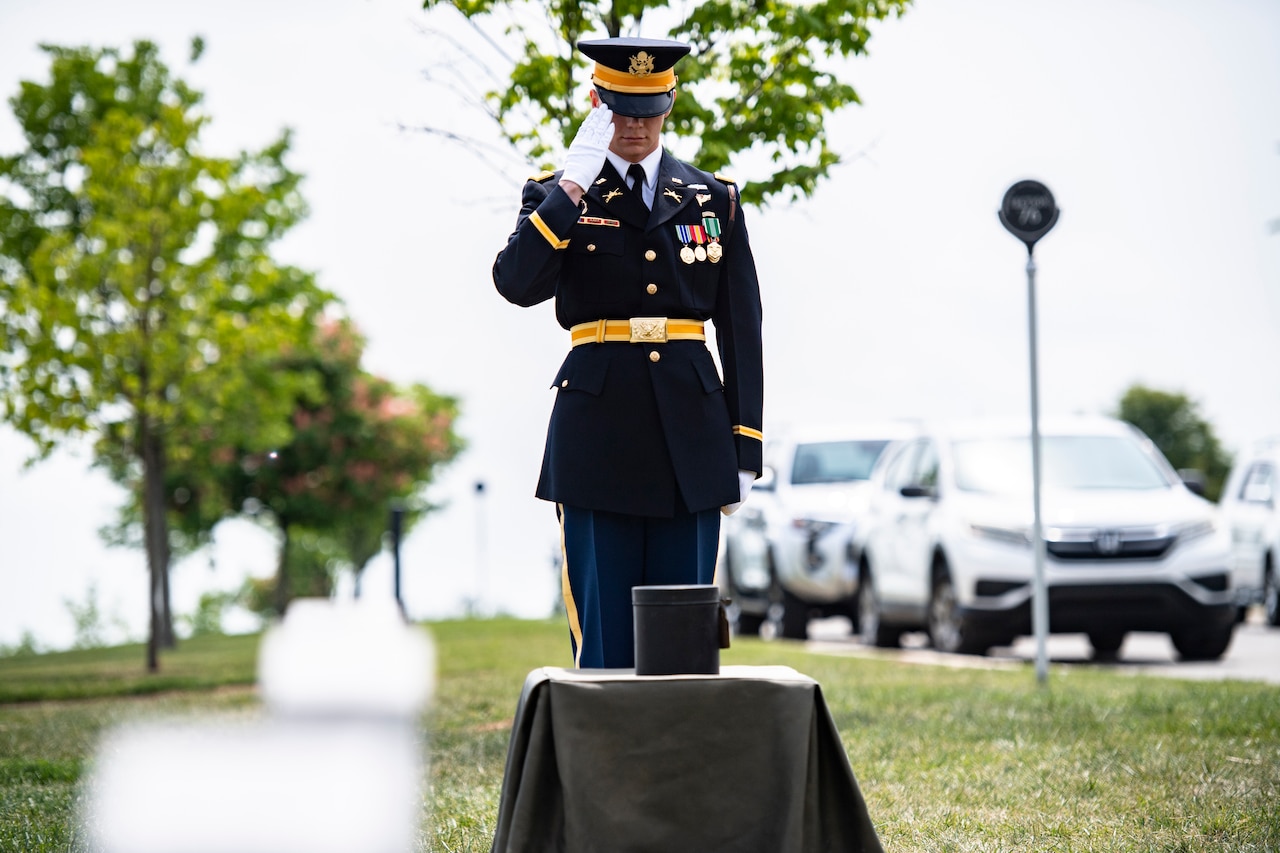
207	618
138	296
1174	424
27	645
134	271
91	626
762	77
312	561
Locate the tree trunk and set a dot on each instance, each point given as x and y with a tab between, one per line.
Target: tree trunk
153	629
156	534
168	639
283	588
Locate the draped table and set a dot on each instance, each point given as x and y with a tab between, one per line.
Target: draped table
747	760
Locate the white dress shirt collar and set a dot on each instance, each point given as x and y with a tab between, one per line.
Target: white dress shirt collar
650	165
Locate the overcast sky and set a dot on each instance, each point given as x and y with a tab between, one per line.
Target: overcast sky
894	292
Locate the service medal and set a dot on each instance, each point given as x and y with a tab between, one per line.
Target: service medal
699	235
712	226
685	234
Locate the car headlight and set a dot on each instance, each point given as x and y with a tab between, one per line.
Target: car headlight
1019	536
812	526
1193	530
813	530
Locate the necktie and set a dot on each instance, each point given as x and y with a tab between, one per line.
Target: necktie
635	175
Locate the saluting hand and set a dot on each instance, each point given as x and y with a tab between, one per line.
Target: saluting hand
586	153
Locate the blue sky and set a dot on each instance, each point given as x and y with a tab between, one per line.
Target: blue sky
894	292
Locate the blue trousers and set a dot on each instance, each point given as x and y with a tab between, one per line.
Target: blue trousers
605	554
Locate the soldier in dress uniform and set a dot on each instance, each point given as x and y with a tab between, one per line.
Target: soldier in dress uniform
648	443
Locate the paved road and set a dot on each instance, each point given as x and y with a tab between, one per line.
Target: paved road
1254	654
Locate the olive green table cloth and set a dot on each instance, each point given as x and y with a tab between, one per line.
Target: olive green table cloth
605	761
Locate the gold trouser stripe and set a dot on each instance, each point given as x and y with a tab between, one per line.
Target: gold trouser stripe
546	231
570	608
748	432
600	331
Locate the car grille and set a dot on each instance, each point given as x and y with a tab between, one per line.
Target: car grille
1109	544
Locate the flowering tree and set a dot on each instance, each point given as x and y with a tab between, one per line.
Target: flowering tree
359	445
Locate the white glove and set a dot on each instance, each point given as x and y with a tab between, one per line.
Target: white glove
586	153
745	481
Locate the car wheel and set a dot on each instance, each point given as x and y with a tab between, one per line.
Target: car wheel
948	628
1204	642
795	618
871	630
743	623
748	624
1271	595
1106	644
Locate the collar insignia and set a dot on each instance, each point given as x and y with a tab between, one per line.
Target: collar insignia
611	195
670	193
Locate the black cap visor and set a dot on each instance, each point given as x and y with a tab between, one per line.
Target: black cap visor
637	106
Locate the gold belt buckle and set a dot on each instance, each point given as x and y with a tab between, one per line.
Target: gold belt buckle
648	330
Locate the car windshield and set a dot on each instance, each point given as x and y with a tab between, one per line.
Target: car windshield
834	461
1003	465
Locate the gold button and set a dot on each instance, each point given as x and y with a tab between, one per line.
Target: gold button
564	384
591	247
655	356
651	289
650	255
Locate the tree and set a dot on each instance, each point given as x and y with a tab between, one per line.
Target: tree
1173	423
137	291
358	445
762	77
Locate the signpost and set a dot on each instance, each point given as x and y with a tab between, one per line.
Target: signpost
397	530
1028	212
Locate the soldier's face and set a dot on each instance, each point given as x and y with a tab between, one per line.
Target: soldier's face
634	138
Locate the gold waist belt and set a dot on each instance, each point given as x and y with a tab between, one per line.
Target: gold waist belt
637	330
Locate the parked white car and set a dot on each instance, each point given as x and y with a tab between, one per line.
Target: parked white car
947	541
1251	511
786	554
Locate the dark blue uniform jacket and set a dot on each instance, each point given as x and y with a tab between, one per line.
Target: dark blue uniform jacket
636	426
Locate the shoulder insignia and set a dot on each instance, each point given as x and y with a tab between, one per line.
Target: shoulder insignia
724	179
541	176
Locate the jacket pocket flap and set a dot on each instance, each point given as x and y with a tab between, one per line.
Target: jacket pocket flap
582	374
707	373
596	240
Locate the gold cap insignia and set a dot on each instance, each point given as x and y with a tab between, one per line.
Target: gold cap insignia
641	64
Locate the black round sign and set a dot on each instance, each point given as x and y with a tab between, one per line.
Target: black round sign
1028	211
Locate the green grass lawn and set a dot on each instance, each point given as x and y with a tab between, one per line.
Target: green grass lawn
949	759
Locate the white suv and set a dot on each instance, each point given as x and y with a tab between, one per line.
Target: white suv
785	555
947	542
1249	510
